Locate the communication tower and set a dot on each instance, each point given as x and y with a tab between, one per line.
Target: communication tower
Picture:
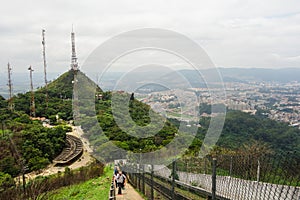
10	89
74	63
32	104
45	66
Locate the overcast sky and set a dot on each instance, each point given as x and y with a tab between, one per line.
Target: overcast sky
234	33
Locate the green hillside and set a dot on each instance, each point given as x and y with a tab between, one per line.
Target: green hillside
93	189
60	103
242	129
98	118
60	93
27	143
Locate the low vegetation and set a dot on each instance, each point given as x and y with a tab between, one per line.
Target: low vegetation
42	186
94	189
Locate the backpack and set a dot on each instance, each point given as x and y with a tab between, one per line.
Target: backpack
120	178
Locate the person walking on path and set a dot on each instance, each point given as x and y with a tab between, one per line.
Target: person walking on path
116	171
121	182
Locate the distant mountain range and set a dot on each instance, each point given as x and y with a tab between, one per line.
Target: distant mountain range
178	79
108	81
245	75
260	74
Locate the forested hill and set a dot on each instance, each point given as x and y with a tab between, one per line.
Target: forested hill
59	100
60	93
243	129
62	87
25	140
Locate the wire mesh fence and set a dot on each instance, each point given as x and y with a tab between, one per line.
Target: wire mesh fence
250	177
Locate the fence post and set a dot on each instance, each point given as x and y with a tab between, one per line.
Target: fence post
230	172
152	173
258	170
214	177
135	175
186	169
205	165
173	178
139	171
112	193
139	177
143	180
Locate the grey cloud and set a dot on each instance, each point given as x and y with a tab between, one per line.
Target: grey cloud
234	33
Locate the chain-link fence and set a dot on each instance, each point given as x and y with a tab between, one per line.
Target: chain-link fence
222	177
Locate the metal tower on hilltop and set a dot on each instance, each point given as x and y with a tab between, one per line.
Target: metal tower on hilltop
32	104
74	68
10	100
74	63
45	66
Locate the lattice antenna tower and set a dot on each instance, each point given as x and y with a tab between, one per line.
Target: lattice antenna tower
45	66
10	89
74	68
32	103
74	63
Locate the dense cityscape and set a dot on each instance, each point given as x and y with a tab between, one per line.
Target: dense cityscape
280	102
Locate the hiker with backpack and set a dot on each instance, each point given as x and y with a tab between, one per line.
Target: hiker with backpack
116	171
121	181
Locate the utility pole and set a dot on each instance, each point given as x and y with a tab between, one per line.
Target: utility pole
45	66
10	100
32	104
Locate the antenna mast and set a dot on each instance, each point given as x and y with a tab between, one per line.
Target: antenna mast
74	68
45	66
74	63
10	100
32	104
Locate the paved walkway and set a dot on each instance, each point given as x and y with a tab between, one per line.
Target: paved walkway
129	194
